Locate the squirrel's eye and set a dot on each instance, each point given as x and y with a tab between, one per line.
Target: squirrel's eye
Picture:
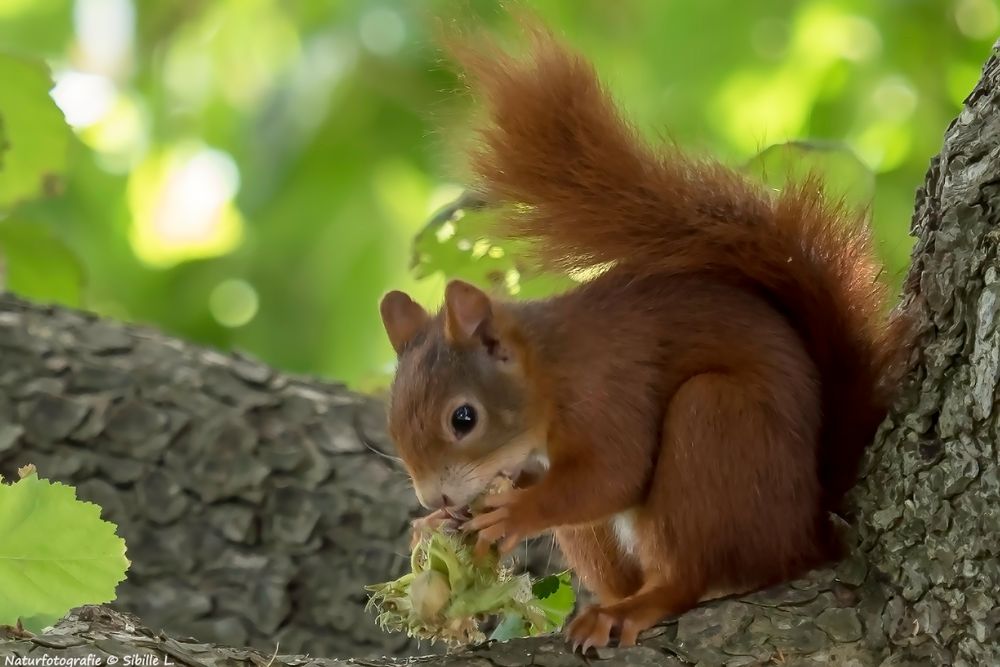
463	419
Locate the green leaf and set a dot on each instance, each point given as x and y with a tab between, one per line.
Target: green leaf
37	624
56	552
39	266
839	168
511	626
35	141
458	243
545	586
558	604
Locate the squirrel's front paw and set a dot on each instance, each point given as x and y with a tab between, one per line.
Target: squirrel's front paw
505	521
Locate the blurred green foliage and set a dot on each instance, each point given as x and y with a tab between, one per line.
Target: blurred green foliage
252	173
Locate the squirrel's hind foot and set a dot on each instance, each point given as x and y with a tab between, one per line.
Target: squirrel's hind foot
597	626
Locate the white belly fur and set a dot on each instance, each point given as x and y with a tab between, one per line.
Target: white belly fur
623	525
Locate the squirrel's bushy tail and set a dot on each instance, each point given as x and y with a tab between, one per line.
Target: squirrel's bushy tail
586	190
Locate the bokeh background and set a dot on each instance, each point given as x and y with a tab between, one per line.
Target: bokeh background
252	173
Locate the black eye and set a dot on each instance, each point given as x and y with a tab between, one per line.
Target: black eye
463	419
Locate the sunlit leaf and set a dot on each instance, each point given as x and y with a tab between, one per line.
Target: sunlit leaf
39	265
37	137
839	168
56	553
457	242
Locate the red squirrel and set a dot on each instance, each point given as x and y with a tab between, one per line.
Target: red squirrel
689	416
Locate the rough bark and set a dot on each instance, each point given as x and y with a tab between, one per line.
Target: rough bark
255	505
930	499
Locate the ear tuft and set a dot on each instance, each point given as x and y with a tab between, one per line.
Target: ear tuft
467	309
402	317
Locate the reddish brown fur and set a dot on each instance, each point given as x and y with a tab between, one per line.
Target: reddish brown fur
594	193
719	381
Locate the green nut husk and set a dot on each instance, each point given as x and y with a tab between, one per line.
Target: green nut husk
448	592
429	595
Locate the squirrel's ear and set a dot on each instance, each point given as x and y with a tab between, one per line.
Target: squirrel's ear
403	318
466	310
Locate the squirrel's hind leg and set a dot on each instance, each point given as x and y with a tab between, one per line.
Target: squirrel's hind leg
593	553
733	504
735	501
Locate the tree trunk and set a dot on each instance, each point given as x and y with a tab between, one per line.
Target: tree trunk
256	504
930	498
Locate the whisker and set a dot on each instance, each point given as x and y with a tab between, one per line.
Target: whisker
375	450
400	472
